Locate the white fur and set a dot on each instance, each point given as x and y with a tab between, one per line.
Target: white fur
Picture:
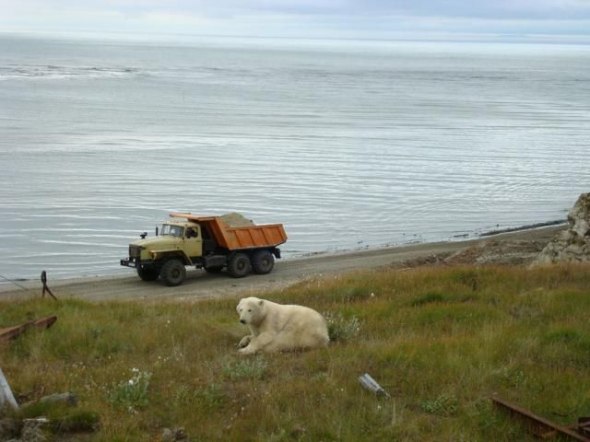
277	327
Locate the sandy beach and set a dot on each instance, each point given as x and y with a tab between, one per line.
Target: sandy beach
200	285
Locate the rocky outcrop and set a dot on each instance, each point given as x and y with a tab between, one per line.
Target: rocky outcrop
572	244
498	252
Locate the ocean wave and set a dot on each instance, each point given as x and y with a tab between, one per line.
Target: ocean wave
348	150
53	72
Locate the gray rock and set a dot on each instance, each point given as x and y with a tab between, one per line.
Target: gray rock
9	428
64	398
573	244
173	435
33	430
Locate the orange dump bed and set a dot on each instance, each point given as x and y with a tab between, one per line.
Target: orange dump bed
243	237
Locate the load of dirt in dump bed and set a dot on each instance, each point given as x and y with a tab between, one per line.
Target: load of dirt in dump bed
234	219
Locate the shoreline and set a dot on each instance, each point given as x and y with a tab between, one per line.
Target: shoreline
556	222
200	285
459	238
455	239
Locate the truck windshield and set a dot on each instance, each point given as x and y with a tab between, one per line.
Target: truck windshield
171	230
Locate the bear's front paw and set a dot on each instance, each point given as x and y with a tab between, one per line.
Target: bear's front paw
245	341
246	351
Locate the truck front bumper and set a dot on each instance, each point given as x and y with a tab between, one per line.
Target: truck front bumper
136	263
130	262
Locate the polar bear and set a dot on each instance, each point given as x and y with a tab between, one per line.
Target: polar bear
277	327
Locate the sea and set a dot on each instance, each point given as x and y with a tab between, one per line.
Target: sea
350	144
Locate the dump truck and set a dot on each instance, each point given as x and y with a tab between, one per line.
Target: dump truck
214	243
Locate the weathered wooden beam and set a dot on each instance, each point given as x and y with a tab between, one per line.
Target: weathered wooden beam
9	333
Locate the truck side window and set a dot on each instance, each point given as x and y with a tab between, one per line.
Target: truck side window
172	230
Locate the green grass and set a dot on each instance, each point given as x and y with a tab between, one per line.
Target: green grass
440	341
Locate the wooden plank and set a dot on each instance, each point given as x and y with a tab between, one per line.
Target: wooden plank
8	333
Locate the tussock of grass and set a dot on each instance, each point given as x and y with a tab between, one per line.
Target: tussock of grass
440	341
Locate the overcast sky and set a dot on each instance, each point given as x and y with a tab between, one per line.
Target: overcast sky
553	20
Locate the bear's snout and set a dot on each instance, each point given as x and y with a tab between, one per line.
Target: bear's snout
243	321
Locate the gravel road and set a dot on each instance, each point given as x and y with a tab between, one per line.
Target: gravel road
201	285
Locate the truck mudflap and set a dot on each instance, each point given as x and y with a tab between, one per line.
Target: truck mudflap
213	261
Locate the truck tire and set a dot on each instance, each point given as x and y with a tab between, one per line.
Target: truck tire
173	272
239	265
262	262
148	273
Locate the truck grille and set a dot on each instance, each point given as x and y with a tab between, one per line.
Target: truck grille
134	251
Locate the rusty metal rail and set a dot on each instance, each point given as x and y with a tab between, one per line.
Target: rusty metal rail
543	428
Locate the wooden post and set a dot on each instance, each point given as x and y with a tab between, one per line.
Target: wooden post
45	288
6	393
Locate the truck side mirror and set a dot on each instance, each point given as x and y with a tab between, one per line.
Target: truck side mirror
156	230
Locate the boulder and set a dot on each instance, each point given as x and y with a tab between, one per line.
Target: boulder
572	244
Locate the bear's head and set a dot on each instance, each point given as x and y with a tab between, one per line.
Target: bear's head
251	310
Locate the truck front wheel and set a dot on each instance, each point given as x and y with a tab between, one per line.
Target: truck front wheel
173	272
262	262
148	273
239	265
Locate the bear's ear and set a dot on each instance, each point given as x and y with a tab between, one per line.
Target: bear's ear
261	302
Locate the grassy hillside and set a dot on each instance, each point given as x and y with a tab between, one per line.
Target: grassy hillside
441	341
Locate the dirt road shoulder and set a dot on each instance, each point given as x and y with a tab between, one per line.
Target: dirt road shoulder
201	285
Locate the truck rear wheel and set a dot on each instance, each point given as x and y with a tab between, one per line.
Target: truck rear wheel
239	265
148	273
262	262
173	272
